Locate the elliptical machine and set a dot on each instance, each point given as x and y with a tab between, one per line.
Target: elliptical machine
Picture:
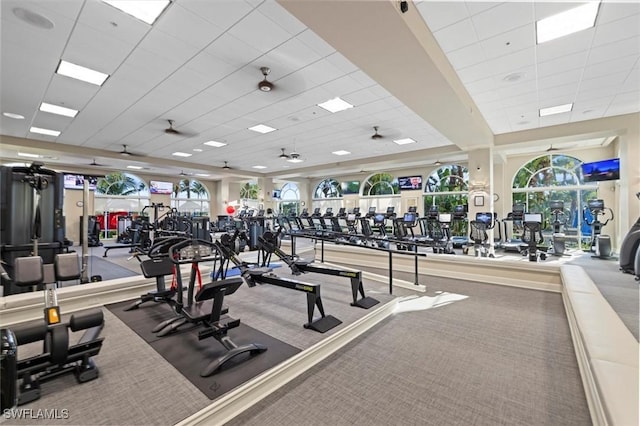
630	250
560	220
600	244
532	237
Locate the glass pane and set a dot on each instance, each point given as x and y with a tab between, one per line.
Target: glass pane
565	162
564	177
328	188
521	180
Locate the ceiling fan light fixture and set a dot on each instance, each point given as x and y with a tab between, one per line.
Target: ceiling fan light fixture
295	158
265	85
226	166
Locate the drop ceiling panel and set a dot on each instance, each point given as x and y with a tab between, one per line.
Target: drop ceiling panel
502	18
260	32
466	56
456	36
614	10
572	43
315	43
509	42
116	23
279	15
187	27
73	93
475	7
439	14
223	13
233	51
562	64
617	30
167	48
289	56
601	69
607	52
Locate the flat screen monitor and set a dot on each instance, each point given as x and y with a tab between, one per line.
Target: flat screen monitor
378	219
601	170
356	210
372	210
460	208
316	211
518	208
484	217
77	181
351	217
390	209
595	204
444	217
556	204
276	194
409	217
158	187
410	182
329	211
305	211
533	217
413	209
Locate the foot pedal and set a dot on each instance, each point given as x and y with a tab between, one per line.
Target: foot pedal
366	302
324	324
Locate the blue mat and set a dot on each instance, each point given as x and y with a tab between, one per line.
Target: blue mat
235	271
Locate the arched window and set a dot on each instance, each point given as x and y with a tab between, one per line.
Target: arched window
191	196
448	187
289	199
328	188
118	194
249	191
554	177
380	184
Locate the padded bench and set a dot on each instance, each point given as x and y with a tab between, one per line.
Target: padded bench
607	352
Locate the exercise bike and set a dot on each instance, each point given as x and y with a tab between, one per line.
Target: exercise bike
560	220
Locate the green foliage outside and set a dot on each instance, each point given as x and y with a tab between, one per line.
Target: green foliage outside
381	184
189	188
450	178
119	183
249	191
289	207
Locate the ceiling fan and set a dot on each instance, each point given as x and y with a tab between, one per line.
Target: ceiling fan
95	164
284	155
127	153
294	157
264	85
182	173
173	131
551	148
376	135
226	166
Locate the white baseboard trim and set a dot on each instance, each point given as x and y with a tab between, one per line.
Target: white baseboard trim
235	402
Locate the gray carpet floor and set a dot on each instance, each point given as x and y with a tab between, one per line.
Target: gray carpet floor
501	356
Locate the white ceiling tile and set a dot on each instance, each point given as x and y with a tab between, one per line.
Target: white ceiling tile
607	52
482	85
632	81
342	63
601	69
502	18
286	58
466	56
315	43
439	14
617	30
516	90
279	15
475	72
559	79
569	90
223	13
554	120
509	42
513	62
563	63
188	27
624	103
96	50
474	7
612	79
233	51
544	9
167	48
211	68
260	32
455	36
614	10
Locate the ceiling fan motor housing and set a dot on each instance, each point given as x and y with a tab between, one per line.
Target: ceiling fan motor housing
265	86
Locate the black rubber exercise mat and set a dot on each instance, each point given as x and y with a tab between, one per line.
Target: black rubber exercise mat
190	356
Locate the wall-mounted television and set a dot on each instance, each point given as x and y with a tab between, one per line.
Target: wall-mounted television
77	181
597	171
410	182
159	187
276	194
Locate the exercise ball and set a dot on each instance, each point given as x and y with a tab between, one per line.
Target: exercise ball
231	209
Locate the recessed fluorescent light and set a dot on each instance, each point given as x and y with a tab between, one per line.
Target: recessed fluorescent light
13	115
341	152
202	174
295	160
404	141
197	150
261	128
558	109
145	10
81	73
259	167
181	154
28	155
55	109
134	167
567	22
215	144
335	105
47	132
